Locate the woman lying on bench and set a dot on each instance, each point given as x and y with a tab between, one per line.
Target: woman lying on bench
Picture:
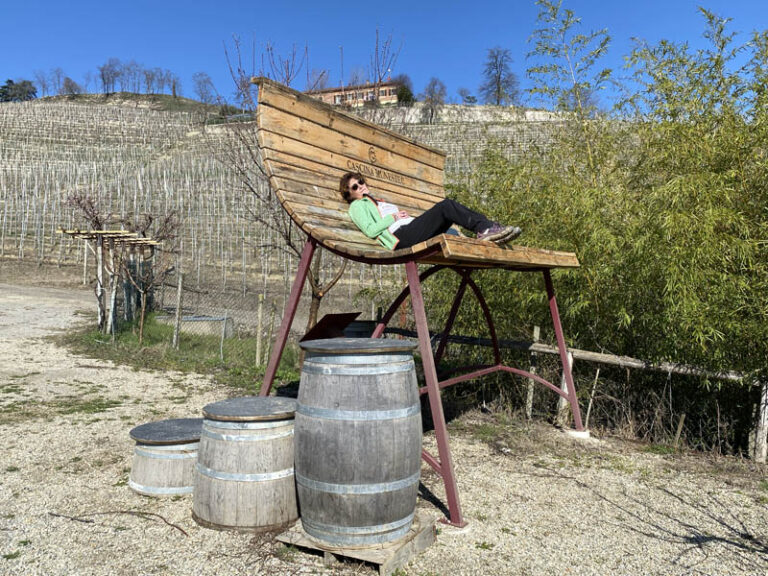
394	228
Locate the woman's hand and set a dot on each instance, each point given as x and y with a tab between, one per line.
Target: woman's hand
401	214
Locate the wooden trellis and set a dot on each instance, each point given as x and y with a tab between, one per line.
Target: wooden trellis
114	241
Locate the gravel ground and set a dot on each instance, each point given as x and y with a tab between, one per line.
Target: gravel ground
537	501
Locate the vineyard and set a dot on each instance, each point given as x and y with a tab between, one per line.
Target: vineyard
132	161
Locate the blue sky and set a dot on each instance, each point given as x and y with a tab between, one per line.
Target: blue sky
446	39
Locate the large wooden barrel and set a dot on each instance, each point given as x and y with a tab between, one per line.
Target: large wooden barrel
244	477
358	440
164	457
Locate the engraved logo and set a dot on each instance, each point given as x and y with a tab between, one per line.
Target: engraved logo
372	155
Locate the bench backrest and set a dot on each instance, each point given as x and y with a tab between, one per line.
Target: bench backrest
307	146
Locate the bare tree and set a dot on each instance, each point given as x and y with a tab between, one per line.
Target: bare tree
148	266
285	69
70	87
501	86
150	78
87	79
434	99
204	89
89	211
41	79
57	79
174	83
383	61
357	76
241	74
242	154
130	76
109	72
317	80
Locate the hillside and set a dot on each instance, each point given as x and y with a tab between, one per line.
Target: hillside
157	102
136	154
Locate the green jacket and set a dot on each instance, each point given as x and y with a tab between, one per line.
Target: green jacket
366	215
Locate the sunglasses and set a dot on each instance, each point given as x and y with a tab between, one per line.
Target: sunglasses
359	183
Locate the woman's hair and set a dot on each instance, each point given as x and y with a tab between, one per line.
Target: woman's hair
344	183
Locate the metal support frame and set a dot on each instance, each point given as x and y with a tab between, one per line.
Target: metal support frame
443	463
290	313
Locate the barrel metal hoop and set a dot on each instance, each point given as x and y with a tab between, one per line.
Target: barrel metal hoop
357	415
245	425
357	488
364	359
245	438
160	491
156	456
265	477
358	535
356	370
190	447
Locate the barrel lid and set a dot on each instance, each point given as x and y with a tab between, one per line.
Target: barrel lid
177	431
251	408
358	345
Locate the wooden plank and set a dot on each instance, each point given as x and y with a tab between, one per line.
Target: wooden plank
283	98
334	173
302	129
468	250
353	155
310	194
387	557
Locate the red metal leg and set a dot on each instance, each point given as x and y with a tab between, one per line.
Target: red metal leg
563	351
397	302
433	390
488	317
290	312
451	318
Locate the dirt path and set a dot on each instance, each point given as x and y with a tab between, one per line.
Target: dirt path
537	502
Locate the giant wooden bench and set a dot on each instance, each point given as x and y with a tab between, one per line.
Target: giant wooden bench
306	147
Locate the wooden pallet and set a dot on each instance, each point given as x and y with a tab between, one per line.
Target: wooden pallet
386	557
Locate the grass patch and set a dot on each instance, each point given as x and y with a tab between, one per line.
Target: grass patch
12	555
660	449
201	354
65	405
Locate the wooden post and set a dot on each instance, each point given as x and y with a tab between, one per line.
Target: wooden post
85	263
223	334
531	382
563	407
761	429
100	282
679	430
268	350
591	399
177	324
259	332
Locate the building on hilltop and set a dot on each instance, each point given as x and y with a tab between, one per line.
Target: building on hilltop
358	95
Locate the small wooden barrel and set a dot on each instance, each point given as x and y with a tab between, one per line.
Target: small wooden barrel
358	440
244	475
164	457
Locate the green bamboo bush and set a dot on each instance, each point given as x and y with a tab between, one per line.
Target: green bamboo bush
664	200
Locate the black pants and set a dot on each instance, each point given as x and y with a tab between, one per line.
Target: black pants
437	220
